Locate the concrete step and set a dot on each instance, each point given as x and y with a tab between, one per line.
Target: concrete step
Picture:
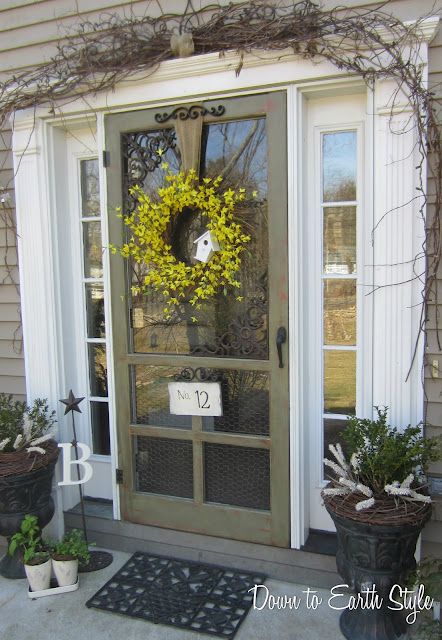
281	564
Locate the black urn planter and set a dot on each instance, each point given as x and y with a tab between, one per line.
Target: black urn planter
379	556
27	493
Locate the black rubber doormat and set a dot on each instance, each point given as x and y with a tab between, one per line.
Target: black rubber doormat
189	595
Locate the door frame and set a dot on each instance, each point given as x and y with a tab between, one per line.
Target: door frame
39	162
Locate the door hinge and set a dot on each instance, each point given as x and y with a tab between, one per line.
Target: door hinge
119	476
106	159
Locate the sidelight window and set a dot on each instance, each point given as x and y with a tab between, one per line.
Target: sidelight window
339	206
95	333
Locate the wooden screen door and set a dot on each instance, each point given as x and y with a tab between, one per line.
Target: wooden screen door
224	475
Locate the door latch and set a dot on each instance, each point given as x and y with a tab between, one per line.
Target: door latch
281	337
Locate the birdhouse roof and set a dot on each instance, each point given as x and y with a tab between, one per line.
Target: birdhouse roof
205	236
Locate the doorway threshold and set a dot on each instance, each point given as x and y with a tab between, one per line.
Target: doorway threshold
99	507
323	542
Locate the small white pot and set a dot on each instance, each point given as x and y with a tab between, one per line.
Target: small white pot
65	571
39	575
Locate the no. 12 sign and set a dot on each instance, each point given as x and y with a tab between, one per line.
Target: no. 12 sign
195	398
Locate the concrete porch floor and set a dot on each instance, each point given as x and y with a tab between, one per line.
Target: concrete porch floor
66	617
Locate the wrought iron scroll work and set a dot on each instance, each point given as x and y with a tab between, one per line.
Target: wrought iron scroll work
141	156
246	335
201	374
193	112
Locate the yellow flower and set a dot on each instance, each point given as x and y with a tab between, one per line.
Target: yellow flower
177	281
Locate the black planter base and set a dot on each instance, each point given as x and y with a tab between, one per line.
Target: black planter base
370	624
28	493
12	567
98	560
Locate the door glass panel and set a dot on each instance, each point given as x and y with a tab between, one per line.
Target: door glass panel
238	476
333	433
164	466
100	427
143	154
98	370
339	240
95	310
93	260
340	312
231	324
339	381
339	166
90	188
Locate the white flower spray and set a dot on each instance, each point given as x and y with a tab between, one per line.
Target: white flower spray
347	478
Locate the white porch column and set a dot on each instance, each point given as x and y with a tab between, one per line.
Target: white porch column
37	234
398	235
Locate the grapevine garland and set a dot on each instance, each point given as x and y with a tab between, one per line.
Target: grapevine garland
149	223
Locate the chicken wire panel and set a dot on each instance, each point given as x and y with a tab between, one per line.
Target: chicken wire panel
164	466
245	398
150	397
237	476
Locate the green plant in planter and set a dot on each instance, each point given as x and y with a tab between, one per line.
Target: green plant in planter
381	461
28	453
23	427
72	546
29	542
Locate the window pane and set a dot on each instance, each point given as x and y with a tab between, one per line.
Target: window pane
339	240
339	166
98	370
340	312
339	382
100	427
95	311
333	434
93	262
90	188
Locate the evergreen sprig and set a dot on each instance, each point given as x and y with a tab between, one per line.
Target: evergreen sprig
386	454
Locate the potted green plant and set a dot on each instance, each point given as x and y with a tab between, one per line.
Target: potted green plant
28	454
66	555
379	502
36	559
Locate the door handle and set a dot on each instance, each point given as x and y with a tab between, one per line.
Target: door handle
281	337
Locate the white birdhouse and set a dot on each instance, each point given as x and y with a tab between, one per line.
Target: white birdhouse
206	245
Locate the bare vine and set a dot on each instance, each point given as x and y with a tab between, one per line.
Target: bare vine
368	43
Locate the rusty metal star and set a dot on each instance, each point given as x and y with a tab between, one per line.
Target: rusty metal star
71	403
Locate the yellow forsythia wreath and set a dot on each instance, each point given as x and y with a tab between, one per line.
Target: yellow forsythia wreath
149	224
